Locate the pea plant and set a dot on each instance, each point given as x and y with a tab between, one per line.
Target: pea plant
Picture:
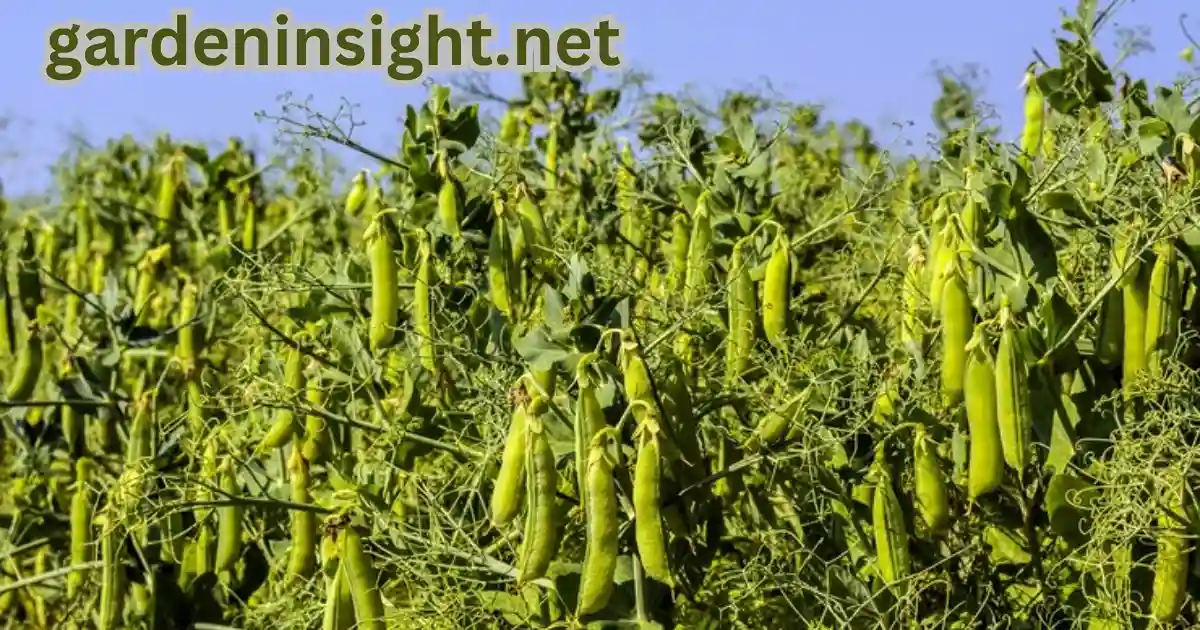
616	359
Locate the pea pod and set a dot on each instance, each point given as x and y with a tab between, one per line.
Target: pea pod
286	425
356	197
589	420
891	534
1171	564
695	282
776	297
1035	119
498	261
929	483
985	468
957	319
680	237
29	273
318	435
249	212
385	286
339	604
740	341
1135	302
303	557
912	324
363	578
81	524
540	542
112	575
600	511
1014	411
647	509
229	517
167	203
449	207
510	482
25	375
422	307
636	379
1163	308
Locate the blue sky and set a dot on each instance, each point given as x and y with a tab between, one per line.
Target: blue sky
870	60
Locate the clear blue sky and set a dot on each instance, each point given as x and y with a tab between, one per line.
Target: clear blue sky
870	60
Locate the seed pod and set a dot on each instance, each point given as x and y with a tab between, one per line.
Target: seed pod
740	342
540	542
72	421
141	433
552	156
943	246
544	382
168	190
81	524
589	420
286	426
83	232
1035	119
1135	302
647	510
776	292
1111	329
99	276
73	304
776	422
510	482
1163	308
499	259
957	318
29	275
985	469
448	207
385	298
534	226
339	604
318	436
912	324
695	282
1014	412
680	237
891	535
422	308
187	348
600	509
8	328
28	370
363	578
1171	564
229	532
225	219
929	483
638	386
112	575
356	198
249	212
303	557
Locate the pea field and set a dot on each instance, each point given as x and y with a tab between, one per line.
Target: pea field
694	367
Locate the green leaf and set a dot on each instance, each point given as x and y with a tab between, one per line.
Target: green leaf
539	350
1068	501
1170	106
461	132
1067	203
1152	133
1006	547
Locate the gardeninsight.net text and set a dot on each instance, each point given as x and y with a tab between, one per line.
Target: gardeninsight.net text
405	51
